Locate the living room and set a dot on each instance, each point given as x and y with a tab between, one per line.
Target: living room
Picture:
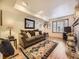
47	17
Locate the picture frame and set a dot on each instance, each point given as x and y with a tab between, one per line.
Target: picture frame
0	17
29	24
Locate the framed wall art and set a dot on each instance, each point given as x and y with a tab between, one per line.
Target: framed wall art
29	24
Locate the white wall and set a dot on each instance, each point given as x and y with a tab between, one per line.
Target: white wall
9	13
16	20
63	9
59	35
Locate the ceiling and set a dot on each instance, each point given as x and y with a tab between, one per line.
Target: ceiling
45	9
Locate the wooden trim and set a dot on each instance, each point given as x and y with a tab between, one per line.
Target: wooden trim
1	18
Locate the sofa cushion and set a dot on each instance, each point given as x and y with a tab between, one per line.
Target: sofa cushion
31	38
40	36
23	42
34	38
40	32
24	34
31	32
28	34
36	33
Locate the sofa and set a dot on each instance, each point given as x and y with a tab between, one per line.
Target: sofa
26	41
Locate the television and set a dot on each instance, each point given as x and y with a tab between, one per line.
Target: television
67	29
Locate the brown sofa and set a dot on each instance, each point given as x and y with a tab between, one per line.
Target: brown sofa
25	41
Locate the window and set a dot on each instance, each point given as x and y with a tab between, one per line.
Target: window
58	26
54	27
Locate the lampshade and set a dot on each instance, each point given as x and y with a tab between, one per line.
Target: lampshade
10	25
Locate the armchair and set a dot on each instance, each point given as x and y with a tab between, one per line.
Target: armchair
7	49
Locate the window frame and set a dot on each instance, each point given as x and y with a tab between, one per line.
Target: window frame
63	20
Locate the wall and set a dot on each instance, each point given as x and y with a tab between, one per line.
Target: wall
66	8
15	18
59	35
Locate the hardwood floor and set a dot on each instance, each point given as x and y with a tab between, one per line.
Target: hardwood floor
59	52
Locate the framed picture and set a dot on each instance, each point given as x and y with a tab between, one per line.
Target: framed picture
0	17
29	24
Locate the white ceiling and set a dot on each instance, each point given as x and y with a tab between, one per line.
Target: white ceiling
45	9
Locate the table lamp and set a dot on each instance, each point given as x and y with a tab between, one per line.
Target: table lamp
10	25
10	30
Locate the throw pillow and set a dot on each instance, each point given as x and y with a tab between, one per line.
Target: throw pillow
24	34
36	33
28	34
